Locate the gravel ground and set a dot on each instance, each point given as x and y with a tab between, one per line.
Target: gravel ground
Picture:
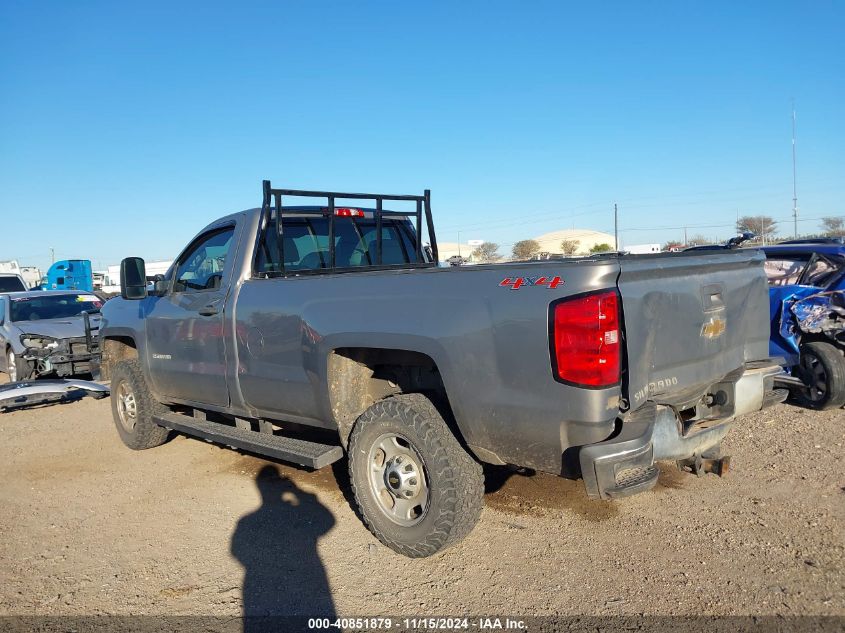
90	527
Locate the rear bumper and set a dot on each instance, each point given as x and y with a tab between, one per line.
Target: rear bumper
624	465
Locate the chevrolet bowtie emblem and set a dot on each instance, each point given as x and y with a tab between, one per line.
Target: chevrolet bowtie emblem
714	328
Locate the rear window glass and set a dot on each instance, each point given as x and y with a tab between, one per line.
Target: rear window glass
306	244
11	284
52	307
784	272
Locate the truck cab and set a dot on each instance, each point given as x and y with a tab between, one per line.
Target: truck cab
69	274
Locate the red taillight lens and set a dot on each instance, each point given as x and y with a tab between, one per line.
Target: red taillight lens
586	339
345	212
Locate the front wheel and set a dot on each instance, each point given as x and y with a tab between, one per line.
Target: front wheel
822	370
133	407
416	487
16	367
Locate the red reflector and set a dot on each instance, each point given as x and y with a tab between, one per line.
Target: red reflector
345	212
586	339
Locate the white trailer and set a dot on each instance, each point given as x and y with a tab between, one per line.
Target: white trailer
642	249
31	275
111	277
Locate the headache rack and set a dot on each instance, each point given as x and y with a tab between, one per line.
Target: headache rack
273	199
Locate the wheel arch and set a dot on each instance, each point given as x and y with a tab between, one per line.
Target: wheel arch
358	377
115	348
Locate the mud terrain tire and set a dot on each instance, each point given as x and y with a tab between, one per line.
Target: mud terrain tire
401	446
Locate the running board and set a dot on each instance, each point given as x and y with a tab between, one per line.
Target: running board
289	449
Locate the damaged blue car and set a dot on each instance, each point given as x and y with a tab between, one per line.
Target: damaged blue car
807	303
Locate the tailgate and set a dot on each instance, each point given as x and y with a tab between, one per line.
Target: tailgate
689	320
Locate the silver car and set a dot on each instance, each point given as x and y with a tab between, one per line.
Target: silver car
49	333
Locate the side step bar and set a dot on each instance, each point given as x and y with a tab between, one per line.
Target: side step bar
289	449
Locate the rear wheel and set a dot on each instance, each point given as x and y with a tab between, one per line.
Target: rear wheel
16	367
133	407
416	487
822	370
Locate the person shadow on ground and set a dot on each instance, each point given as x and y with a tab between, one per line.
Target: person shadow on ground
277	546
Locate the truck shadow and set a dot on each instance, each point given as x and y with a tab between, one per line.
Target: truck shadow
277	547
526	492
507	490
518	492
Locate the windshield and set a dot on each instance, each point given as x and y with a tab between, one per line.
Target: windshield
11	284
53	306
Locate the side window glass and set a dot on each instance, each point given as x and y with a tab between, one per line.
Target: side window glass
201	268
819	271
783	272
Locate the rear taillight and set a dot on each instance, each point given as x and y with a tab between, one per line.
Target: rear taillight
585	339
345	212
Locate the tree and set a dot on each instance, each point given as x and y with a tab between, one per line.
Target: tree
834	226
673	244
761	225
698	240
601	248
569	247
526	249
486	253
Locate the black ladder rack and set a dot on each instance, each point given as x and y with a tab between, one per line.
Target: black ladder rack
273	199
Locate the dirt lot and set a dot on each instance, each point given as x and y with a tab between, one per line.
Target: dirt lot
88	527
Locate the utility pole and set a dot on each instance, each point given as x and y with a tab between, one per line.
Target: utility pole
52	255
794	185
615	227
685	236
459	243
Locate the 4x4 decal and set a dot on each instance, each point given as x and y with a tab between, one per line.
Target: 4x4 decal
516	283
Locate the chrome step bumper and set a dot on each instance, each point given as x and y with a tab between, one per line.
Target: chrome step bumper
624	464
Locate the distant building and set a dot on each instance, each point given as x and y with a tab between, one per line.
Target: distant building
549	244
445	250
586	238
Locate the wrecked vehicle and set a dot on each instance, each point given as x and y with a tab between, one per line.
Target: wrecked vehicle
807	309
308	332
12	282
49	333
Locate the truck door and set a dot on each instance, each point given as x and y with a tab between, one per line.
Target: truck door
186	339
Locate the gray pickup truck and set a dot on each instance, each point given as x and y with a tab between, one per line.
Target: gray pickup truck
306	332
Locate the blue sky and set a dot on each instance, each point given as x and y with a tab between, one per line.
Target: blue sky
126	127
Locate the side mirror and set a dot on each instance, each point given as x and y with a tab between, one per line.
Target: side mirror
133	278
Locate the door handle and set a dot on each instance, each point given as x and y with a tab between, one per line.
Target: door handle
209	310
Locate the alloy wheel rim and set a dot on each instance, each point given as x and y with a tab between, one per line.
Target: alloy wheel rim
814	376
398	479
